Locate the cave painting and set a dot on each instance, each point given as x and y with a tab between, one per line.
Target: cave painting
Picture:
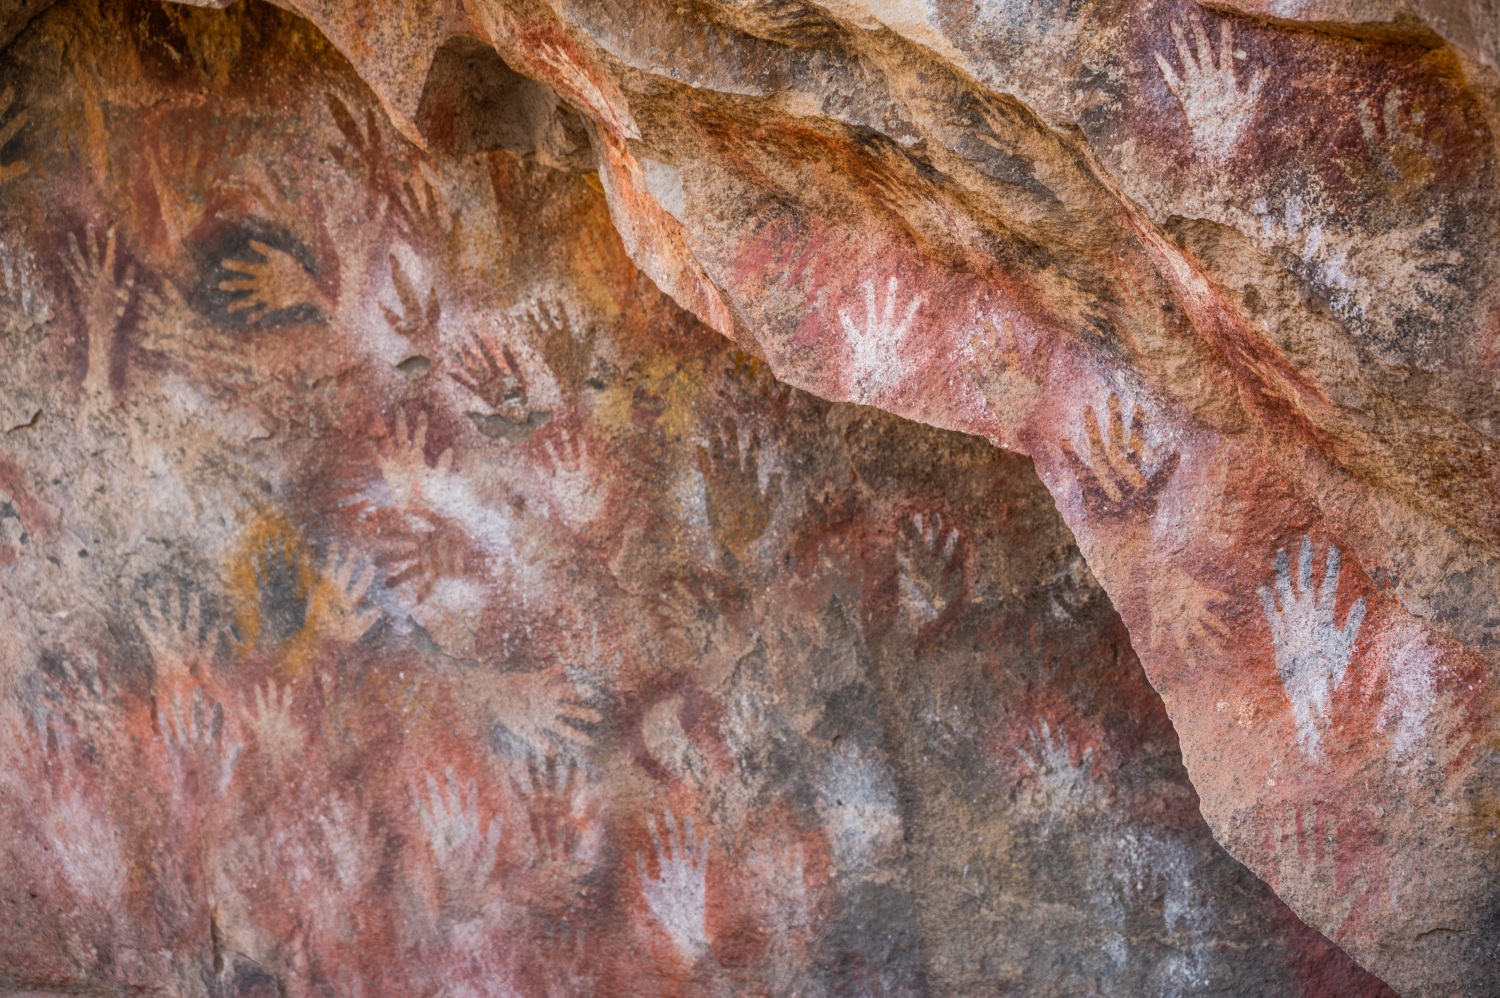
412	590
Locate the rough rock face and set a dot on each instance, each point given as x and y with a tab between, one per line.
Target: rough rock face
404	598
1225	272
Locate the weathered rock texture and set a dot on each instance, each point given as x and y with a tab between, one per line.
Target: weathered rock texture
404	598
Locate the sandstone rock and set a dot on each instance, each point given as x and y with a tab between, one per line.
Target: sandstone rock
404	597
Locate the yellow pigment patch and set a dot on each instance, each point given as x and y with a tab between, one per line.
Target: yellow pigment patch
268	532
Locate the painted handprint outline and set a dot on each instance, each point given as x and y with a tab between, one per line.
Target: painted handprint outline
1312	649
567	345
283	590
345	828
267	284
81	833
417	321
1066	786
1187	610
552	787
74	695
676	895
1356	274
363	153
422	215
423	558
402	459
1306	854
199	741
271	719
189	163
544	709
875	348
565	838
334	610
498	382
563	950
1400	141
412	200
1120	473
176	629
87	845
578	487
105	294
1208	90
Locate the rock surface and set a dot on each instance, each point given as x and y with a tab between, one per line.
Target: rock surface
393	574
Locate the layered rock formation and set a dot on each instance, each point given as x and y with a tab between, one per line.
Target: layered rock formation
403	597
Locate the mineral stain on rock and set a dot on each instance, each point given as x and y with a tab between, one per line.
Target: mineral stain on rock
423	578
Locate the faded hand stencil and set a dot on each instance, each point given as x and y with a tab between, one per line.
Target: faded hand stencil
740	505
464	841
27	305
931	567
1008	375
1312	649
204	752
105	291
1065	784
1357	273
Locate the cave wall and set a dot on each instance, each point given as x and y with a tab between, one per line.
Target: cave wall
393	570
1264	233
404	597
